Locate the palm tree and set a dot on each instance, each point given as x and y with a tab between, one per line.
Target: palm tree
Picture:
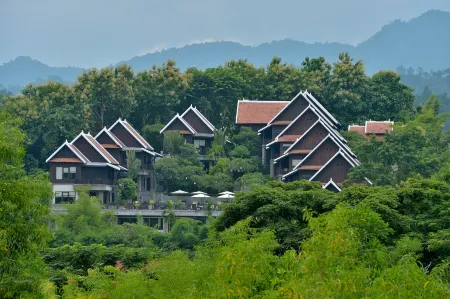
133	165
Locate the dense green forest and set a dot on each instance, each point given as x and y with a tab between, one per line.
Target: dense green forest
275	240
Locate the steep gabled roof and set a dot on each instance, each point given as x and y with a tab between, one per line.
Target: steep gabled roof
339	153
200	115
313	103
133	133
73	148
266	111
188	126
112	136
301	137
313	151
333	184
97	146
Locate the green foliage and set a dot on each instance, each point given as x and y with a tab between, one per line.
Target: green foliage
152	135
250	139
177	173
186	233
252	179
126	190
133	165
23	217
172	142
240	152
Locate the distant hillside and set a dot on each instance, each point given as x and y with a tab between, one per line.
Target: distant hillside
421	42
24	70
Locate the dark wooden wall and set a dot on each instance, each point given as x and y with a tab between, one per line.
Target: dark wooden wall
323	153
88	150
195	122
336	169
125	136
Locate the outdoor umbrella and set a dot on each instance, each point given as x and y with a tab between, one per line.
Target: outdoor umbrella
226	192
179	192
201	195
226	196
198	192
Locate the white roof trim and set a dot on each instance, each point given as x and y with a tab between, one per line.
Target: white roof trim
257	101
126	128
288	174
151	152
301	137
201	116
292	122
90	142
321	107
280	157
310	153
237	112
262	129
182	120
113	166
82	158
111	135
331	182
369	181
329	161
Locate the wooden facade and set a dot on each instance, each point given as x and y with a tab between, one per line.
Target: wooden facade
100	161
195	128
302	142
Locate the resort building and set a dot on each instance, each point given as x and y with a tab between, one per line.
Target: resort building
300	140
195	128
373	128
99	162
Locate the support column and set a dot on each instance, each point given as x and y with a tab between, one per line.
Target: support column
263	155
165	225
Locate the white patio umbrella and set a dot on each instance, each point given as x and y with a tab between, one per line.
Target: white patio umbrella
201	195
226	192
179	192
198	192
226	196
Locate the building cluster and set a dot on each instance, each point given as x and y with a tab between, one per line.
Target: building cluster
99	162
300	139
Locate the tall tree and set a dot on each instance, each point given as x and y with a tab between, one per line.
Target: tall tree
23	221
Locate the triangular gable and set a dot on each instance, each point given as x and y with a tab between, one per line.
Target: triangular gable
296	103
200	116
339	153
178	118
193	112
313	102
73	149
305	135
332	186
328	137
96	146
131	131
319	106
106	137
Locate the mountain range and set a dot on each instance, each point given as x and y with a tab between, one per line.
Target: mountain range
422	42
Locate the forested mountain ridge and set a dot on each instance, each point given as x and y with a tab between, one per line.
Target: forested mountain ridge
421	42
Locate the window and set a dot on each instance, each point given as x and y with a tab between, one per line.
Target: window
148	184
295	162
199	143
67	173
59	173
64	197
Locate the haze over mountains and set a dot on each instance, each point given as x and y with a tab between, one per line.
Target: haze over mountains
420	42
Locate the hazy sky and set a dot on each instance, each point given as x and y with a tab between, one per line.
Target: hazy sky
101	32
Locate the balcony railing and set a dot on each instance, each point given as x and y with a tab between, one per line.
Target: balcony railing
95	181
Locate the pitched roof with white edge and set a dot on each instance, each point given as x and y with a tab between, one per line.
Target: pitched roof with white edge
332	183
313	151
312	102
321	107
342	154
201	116
73	149
301	137
188	126
292	122
112	136
97	146
133	133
